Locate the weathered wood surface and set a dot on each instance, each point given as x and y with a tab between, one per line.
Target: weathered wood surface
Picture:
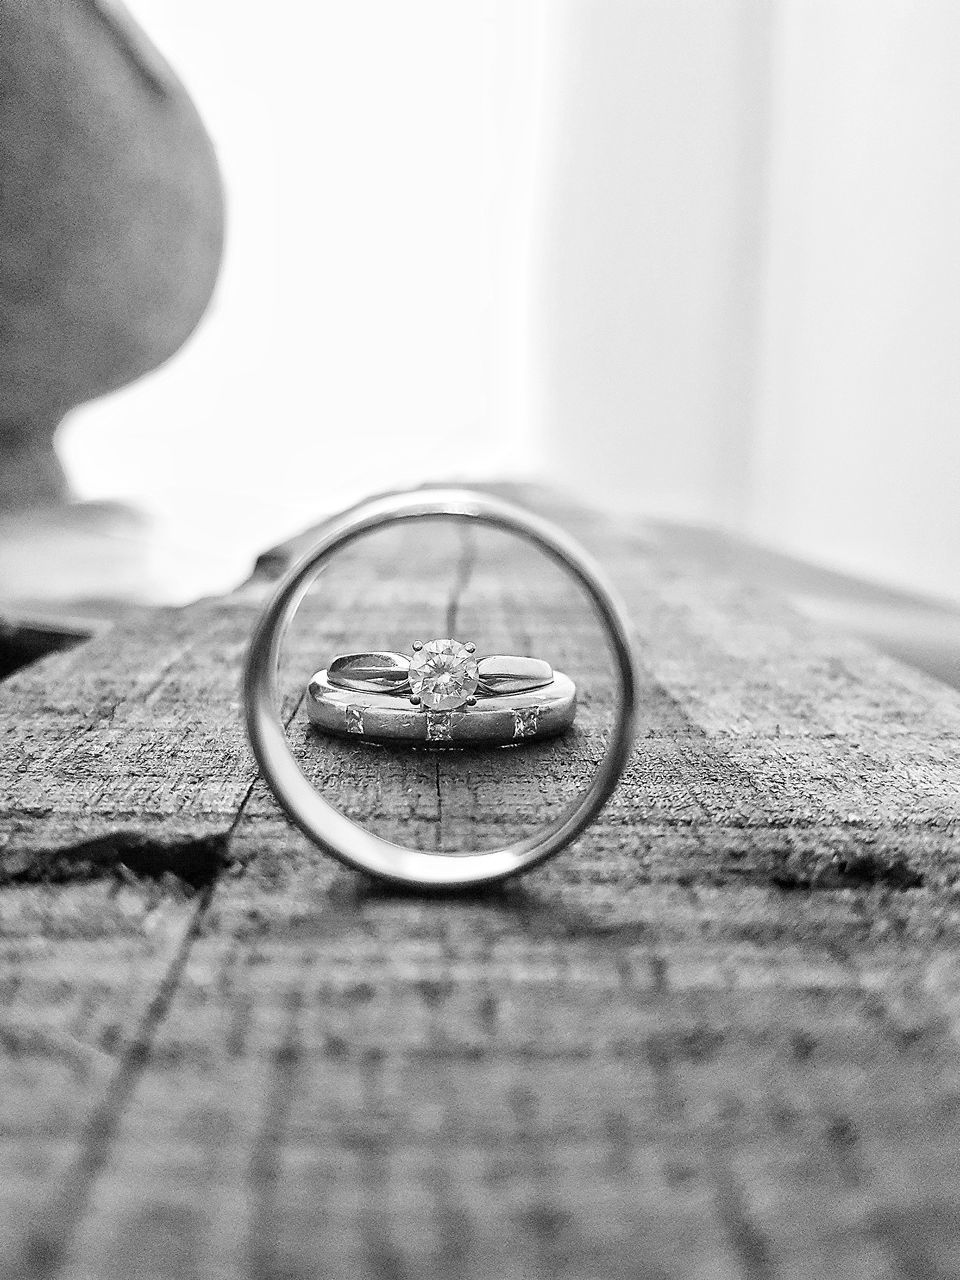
718	1037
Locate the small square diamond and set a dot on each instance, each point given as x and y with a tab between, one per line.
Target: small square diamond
354	719
439	726
525	720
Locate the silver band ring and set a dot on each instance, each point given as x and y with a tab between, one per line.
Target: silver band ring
333	830
499	720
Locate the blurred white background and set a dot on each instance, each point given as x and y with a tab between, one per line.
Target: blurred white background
694	260
369	328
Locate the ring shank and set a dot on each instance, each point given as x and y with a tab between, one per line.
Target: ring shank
390	673
371	672
500	673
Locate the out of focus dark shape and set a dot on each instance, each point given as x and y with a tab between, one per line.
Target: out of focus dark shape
111	222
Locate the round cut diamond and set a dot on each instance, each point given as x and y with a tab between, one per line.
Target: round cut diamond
443	675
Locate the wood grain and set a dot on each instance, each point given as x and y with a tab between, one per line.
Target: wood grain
718	1037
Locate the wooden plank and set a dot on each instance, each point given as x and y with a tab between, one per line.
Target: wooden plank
716	1038
86	972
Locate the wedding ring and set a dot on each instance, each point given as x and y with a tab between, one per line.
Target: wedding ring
495	720
328	826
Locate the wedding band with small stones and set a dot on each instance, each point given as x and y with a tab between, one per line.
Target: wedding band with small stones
441	693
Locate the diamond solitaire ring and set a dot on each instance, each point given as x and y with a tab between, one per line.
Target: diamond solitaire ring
442	694
442	675
533	707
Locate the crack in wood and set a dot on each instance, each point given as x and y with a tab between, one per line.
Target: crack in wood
45	1248
746	1239
266	1158
749	1243
196	860
23	641
463	573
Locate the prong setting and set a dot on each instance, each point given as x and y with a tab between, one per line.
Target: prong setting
470	648
414	700
417	646
444	674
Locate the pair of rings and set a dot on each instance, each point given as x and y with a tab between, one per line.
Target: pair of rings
323	822
442	694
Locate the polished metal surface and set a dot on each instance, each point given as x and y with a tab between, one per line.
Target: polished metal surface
494	721
501	673
371	672
389	673
333	830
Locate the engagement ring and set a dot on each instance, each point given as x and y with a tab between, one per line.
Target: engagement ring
441	674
